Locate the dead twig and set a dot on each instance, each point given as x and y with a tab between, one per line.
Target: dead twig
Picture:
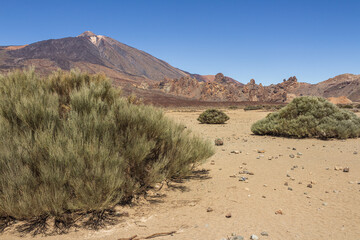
160	234
130	238
135	237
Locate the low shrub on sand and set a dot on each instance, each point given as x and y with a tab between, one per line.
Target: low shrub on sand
70	143
310	117
213	116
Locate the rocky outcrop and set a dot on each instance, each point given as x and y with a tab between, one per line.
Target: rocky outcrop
223	89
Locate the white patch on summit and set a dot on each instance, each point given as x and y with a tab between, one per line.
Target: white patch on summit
96	39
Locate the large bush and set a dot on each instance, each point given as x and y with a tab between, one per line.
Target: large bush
310	117
213	116
70	143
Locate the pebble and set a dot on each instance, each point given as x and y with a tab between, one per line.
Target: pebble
291	155
228	215
264	234
286	184
238	237
290	189
270	158
294	149
235	151
261	151
265	185
309	185
209	209
263	196
287	175
254	237
355	152
242	179
299	153
346	169
324	204
279	212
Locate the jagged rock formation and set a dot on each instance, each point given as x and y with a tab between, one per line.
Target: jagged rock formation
224	89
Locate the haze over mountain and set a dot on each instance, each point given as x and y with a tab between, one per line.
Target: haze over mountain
154	79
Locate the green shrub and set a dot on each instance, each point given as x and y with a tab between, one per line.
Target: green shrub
233	107
358	106
309	117
347	106
213	116
70	143
253	107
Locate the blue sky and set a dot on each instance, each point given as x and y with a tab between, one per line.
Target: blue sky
265	40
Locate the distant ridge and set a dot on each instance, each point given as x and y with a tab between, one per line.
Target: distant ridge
157	81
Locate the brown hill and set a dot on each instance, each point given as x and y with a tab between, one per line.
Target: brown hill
347	85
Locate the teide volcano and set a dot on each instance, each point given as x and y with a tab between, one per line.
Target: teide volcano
87	50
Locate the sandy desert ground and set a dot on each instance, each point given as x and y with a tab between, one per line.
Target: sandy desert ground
197	208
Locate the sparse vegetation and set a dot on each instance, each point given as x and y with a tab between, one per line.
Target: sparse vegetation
70	143
253	107
268	107
310	117
213	116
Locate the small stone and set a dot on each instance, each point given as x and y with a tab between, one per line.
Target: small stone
242	179
212	162
294	149
236	152
238	237
337	168
228	215
290	189
270	158
261	151
264	234
254	237
263	196
209	209
219	142
324	204
279	212
292	169
286	184
309	185
287	175
291	155
355	152
299	182
292	179
223	149
299	153
265	185
346	169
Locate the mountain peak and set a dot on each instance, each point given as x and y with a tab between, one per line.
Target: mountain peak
87	34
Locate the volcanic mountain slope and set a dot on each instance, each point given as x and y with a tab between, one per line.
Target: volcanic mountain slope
89	52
